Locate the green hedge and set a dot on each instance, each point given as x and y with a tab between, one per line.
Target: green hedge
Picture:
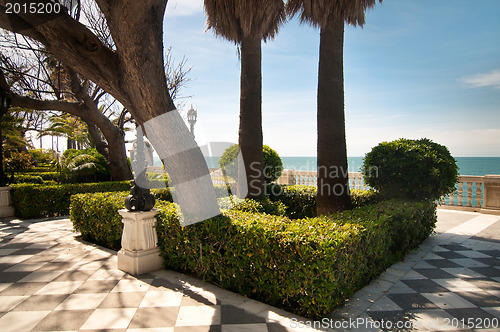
300	201
95	216
306	266
39	201
22	178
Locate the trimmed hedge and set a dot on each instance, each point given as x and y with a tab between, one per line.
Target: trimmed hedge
306	266
96	217
300	201
21	178
39	201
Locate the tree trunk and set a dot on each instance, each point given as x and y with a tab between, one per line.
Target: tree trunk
333	187
250	132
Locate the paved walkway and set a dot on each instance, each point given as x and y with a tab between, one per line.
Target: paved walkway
51	282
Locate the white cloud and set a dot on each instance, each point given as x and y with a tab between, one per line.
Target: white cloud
184	7
482	80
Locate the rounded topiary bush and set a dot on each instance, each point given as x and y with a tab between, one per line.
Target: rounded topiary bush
412	169
272	163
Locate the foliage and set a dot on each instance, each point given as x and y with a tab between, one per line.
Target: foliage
69	126
252	205
272	163
307	266
77	166
42	156
18	162
28	178
40	201
101	225
300	200
413	169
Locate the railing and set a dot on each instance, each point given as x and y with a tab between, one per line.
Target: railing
473	193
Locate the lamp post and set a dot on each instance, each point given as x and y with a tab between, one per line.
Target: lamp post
4	108
192	115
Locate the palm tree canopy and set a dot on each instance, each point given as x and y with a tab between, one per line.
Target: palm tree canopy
235	19
320	12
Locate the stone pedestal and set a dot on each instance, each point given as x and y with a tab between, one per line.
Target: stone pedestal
139	253
6	209
491	196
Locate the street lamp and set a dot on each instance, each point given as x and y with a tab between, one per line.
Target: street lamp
192	115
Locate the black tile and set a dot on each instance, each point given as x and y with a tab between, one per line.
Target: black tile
154	317
234	315
191	298
492	253
28	251
434	273
162	283
211	328
391	319
442	263
489	261
412	301
4	266
16	245
275	327
96	286
13	276
449	254
481	299
489	272
424	286
475	314
41	302
23	288
455	247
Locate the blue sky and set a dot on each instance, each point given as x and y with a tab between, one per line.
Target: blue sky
427	68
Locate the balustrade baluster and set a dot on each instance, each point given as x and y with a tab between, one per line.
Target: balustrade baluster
469	194
479	194
460	193
451	197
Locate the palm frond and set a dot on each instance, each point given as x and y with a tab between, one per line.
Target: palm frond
320	12
234	20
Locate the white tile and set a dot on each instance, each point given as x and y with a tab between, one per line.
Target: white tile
384	304
412	275
87	265
59	287
495	311
462	272
243	327
400	288
41	276
4	285
25	267
431	319
41	245
112	318
468	262
17	321
457	285
198	316
448	300
432	256
153	329
14	259
168	298
423	265
9	302
132	285
107	275
81	301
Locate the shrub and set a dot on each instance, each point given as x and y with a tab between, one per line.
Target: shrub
306	266
414	169
40	201
22	178
96	217
77	166
17	162
272	163
265	205
42	156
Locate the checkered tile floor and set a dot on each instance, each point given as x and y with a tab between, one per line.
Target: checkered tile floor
51	282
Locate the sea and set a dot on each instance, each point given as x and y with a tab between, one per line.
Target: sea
467	165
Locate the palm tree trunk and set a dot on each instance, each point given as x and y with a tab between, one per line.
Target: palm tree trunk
333	188
250	132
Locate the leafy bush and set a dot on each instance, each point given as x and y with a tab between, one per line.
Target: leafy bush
22	178
300	201
272	163
251	205
77	166
39	201
414	169
17	162
306	266
42	156
96	217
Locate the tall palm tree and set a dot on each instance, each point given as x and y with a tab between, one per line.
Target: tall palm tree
247	23
329	16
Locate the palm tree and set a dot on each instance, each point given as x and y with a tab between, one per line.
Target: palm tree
329	16
247	23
